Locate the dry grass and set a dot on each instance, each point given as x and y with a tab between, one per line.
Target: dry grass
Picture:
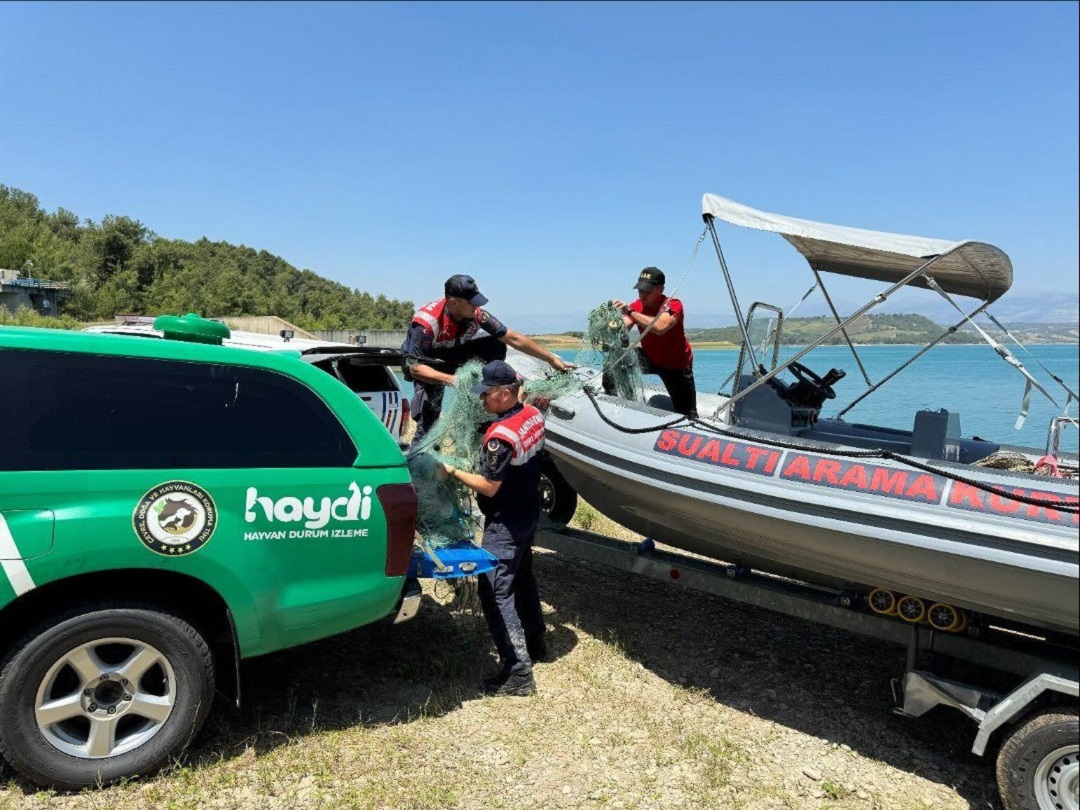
656	698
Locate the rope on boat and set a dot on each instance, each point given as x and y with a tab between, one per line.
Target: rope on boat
1067	508
1007	460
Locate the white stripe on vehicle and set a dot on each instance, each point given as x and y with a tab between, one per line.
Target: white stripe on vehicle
14	567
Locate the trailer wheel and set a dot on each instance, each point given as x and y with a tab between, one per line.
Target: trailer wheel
558	499
1038	767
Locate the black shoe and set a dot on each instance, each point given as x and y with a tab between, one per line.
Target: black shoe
515	685
495	681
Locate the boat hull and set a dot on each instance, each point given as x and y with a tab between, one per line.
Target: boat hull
806	513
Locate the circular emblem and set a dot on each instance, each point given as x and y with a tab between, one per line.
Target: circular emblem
493	445
175	518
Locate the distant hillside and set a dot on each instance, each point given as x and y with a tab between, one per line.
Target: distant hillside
892	329
119	266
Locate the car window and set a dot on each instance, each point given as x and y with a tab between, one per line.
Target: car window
72	411
360	377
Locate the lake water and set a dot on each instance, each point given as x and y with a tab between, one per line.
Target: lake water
970	380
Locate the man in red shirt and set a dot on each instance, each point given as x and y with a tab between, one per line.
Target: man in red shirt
664	350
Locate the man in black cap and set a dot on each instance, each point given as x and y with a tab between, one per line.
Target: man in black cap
507	494
664	350
449	332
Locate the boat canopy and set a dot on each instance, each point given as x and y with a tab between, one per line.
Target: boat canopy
974	269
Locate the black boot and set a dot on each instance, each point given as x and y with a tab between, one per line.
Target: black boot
515	685
496	680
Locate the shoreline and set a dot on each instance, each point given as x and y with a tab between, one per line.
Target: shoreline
572	344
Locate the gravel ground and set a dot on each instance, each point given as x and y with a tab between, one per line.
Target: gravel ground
655	697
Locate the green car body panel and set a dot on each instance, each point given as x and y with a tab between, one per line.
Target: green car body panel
296	553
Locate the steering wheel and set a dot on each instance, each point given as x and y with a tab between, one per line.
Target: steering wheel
808	377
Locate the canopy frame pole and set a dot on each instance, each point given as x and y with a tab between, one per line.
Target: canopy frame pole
951	330
1001	351
836	315
873	302
1072	396
709	223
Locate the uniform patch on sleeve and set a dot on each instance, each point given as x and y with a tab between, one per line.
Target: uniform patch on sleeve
481	316
493	446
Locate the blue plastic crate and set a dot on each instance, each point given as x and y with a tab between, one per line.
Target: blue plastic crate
458	560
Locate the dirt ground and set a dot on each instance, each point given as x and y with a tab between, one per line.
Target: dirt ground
655	697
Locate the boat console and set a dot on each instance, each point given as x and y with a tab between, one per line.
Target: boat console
793	409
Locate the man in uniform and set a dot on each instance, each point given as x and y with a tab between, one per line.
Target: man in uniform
506	490
664	351
449	332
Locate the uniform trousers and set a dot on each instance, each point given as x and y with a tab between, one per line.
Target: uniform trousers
508	594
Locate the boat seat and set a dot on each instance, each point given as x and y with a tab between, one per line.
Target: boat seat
936	435
763	409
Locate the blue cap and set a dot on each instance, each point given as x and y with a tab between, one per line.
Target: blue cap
497	372
461	286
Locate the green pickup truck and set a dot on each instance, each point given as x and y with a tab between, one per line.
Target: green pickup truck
168	507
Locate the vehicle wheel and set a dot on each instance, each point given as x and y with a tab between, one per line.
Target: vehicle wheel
103	693
558	499
1038	767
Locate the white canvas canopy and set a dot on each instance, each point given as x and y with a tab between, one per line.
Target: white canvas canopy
974	269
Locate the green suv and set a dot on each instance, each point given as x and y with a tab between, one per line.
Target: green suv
166	508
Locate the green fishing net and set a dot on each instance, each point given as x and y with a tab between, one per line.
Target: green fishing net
444	508
605	345
445	511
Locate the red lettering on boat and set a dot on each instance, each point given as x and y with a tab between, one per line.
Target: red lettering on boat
856	476
686	449
667	441
827	469
1053	514
770	465
999	503
923	487
755	454
727	458
799	466
886	480
711	451
965	493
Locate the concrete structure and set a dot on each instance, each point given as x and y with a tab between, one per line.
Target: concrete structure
44	297
378	338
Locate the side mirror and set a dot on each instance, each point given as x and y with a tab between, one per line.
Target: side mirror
286	334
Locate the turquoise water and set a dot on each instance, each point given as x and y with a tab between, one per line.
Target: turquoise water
970	380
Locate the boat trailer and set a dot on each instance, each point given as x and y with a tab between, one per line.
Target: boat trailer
1048	666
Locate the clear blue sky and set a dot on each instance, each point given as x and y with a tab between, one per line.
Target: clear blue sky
551	150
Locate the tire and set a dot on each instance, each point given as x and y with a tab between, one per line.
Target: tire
152	716
1037	766
558	500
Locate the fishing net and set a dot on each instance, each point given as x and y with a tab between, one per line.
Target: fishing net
445	511
444	508
605	346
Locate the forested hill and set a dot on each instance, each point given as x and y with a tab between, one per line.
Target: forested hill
867	329
120	266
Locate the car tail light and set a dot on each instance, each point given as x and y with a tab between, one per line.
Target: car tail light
406	412
399	505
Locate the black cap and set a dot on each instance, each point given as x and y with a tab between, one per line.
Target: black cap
461	286
497	372
649	279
